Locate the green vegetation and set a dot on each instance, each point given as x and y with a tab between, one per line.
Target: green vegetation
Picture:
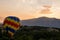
34	33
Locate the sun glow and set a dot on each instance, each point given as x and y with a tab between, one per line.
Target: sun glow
28	9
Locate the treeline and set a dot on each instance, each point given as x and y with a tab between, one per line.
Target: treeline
34	33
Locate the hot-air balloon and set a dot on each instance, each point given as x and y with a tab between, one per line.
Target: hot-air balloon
11	24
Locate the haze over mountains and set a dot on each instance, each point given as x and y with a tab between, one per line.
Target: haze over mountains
42	21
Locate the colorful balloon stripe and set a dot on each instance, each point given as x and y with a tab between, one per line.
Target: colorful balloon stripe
9	29
11	23
11	33
14	18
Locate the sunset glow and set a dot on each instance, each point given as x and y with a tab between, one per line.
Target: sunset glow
28	9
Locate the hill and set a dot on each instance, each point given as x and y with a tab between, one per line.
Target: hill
42	21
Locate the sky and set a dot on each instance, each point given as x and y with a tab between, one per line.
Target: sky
28	9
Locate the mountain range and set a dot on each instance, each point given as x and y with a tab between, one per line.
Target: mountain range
42	21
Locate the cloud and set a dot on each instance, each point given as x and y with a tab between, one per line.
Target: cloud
46	9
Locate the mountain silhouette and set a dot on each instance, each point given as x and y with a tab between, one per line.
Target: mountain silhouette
42	21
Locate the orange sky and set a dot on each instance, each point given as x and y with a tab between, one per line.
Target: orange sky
28	9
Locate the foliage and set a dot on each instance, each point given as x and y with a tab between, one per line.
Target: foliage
33	33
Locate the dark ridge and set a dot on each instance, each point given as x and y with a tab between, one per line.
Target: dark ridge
42	21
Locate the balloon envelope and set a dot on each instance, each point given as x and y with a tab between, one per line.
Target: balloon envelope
11	24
